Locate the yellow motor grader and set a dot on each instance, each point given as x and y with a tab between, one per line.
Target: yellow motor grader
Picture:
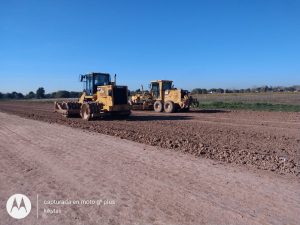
161	97
101	97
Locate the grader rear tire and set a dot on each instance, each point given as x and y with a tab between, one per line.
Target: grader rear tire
158	106
85	111
169	107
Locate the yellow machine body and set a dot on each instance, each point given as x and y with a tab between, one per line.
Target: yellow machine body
98	100
161	97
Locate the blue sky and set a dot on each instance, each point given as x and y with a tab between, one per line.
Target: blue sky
216	43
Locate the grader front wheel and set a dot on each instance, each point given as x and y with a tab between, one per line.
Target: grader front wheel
158	106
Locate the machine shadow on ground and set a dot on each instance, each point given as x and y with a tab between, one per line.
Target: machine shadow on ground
209	111
149	118
158	116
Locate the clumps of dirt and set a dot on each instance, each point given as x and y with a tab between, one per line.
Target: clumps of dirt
249	149
261	146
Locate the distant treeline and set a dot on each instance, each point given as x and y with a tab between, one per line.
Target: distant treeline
247	90
39	94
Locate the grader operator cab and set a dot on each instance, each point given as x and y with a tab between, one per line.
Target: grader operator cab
101	97
162	96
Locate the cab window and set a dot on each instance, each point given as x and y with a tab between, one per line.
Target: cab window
167	86
155	89
102	79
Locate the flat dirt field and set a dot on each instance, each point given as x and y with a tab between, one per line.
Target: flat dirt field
134	183
263	140
204	167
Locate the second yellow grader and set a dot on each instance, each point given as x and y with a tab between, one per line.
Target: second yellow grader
162	96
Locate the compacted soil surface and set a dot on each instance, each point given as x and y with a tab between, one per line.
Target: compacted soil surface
263	140
72	176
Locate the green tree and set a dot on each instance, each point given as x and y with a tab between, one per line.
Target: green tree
15	95
204	91
220	90
196	91
75	94
19	96
30	95
62	94
40	93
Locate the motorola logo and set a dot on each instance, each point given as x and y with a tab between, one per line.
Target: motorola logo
18	206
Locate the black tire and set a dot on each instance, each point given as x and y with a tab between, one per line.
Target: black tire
85	112
169	107
158	106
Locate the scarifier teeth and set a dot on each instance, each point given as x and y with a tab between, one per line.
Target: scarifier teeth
68	108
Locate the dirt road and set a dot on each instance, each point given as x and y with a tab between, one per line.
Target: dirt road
263	140
143	184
